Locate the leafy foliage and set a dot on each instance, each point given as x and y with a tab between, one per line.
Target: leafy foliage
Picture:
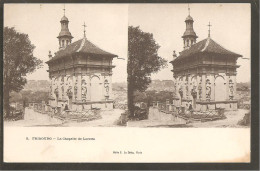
29	96
143	59
18	58
150	96
18	61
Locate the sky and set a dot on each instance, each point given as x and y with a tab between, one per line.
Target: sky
107	26
231	25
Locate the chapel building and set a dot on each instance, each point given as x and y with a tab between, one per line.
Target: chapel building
204	73
80	74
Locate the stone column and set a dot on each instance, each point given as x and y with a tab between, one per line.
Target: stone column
103	86
154	104
170	107
189	87
70	81
52	86
65	87
72	85
88	80
101	83
197	84
203	87
176	90
227	86
110	87
167	107
79	86
184	84
235	87
212	80
59	87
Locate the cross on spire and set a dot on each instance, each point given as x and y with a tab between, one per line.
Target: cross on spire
209	29
64	9
84	25
189	8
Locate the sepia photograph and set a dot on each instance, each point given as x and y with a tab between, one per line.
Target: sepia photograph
193	70
68	70
127	82
183	68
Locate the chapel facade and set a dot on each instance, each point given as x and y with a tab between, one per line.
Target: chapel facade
204	73
80	74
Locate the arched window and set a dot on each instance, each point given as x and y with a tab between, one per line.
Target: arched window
62	43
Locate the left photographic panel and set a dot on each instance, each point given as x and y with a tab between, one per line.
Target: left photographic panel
64	64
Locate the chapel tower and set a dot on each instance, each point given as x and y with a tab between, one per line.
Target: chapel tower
204	73
80	74
65	36
189	36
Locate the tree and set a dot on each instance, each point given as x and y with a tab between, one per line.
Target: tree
143	59
18	61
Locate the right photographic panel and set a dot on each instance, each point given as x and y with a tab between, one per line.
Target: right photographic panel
189	65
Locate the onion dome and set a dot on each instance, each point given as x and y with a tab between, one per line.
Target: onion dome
64	18
189	32
189	18
189	28
64	35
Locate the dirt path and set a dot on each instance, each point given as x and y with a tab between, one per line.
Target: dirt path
107	120
231	121
159	119
32	118
156	119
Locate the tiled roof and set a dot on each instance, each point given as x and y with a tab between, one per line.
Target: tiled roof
81	46
206	46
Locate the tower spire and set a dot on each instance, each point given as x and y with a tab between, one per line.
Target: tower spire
189	36
64	9
209	29
84	25
189	8
65	36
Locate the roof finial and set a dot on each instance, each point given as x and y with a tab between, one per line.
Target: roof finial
189	8
84	25
209	29
64	9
